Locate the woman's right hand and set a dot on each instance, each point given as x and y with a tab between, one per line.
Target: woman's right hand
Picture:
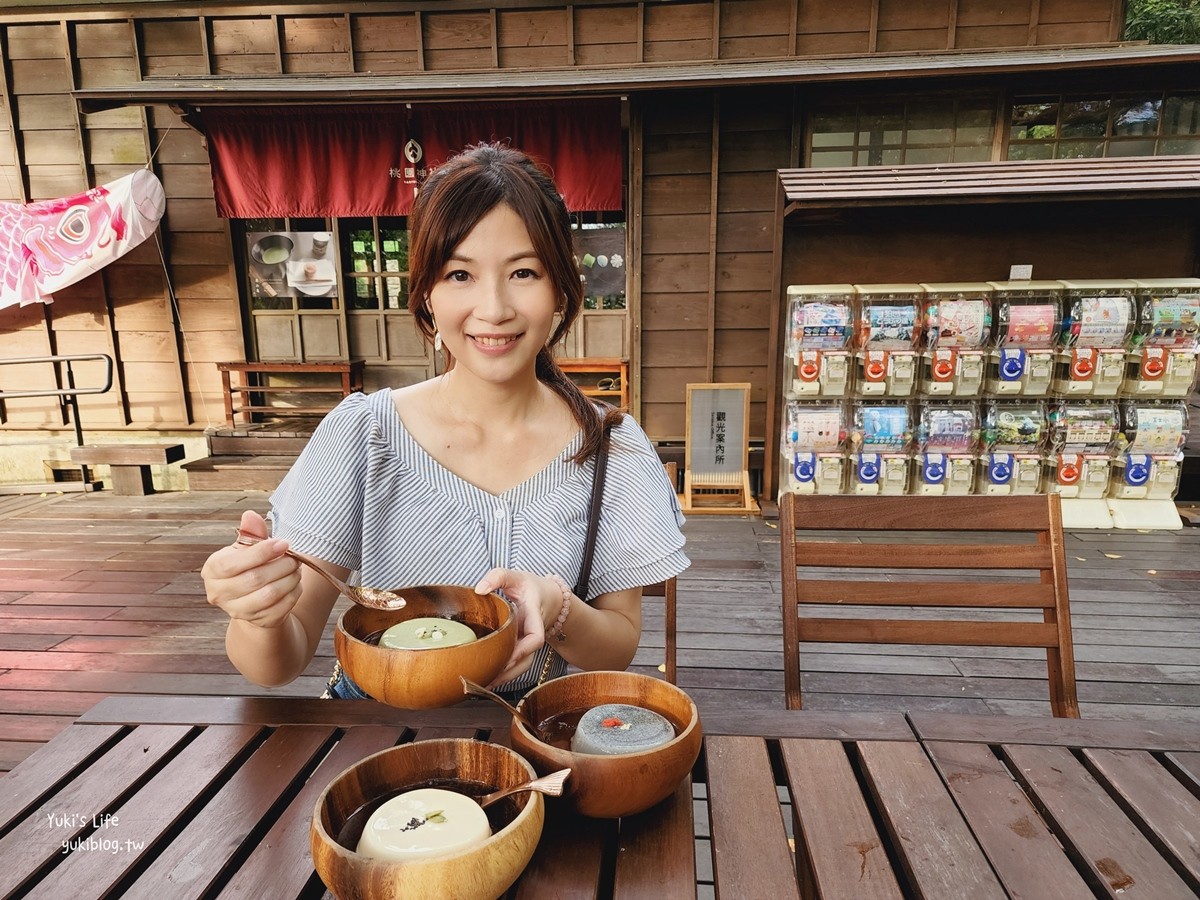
257	584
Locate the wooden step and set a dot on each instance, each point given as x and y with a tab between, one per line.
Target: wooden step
255	445
235	473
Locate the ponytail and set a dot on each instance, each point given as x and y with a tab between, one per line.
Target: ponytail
594	422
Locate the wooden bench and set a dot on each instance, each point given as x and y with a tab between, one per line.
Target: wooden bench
255	380
130	463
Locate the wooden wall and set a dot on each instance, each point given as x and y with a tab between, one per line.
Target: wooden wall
709	160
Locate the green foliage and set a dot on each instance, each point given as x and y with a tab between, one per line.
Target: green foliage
1163	21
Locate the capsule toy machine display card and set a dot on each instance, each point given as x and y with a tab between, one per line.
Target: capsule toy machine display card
1097	326
887	339
1013	438
1149	450
947	437
958	326
813	448
1163	353
1028	318
880	438
1081	436
820	329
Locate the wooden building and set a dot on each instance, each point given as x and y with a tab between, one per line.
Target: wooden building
715	99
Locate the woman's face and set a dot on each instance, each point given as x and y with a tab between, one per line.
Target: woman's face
494	302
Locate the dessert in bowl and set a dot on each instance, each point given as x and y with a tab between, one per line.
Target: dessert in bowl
432	846
626	761
413	657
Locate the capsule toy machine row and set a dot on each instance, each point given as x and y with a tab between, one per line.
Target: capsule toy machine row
814	448
1097	327
1162	353
1013	438
880	442
957	321
820	329
887	338
947	440
1028	317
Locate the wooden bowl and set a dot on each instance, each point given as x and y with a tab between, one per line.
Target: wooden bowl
605	787
483	872
423	679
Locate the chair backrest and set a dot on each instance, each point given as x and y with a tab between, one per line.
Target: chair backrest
666	590
978	579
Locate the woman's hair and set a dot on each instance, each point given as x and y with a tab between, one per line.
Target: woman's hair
451	203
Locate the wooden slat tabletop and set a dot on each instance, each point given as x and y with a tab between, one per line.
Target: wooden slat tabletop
212	797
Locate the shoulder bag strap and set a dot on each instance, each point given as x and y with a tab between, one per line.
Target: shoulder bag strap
589	547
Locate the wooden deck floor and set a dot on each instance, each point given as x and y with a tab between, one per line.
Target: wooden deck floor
100	595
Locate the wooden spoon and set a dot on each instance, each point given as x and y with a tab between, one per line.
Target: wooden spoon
373	598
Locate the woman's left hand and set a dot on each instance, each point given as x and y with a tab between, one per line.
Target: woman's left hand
532	595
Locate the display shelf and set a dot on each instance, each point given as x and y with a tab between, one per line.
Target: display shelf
605	378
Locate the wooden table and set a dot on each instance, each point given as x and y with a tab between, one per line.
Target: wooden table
199	796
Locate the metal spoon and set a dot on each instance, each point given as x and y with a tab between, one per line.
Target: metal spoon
478	690
370	597
551	784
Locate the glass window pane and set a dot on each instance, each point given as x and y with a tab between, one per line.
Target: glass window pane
931	122
832	158
363	293
1181	114
396	292
880	125
892	157
834	128
1179	146
1031	151
1135	115
1131	148
1079	149
973	154
1034	121
926	155
1084	118
975	125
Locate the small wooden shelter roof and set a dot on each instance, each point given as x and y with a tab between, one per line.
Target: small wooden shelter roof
1148	177
426	86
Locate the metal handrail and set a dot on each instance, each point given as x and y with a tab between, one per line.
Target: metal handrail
70	394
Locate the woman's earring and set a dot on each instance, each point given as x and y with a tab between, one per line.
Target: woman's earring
437	342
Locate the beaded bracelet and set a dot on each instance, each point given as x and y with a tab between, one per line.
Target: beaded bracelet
556	630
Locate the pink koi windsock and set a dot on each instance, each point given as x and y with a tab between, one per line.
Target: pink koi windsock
48	245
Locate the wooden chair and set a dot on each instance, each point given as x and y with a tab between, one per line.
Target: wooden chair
945	586
666	590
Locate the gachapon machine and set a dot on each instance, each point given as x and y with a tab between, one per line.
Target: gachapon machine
947	439
1162	354
1097	324
880	437
1013	444
1028	317
820	330
1082	435
958	325
887	338
1146	464
813	445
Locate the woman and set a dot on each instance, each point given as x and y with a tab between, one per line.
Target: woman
481	476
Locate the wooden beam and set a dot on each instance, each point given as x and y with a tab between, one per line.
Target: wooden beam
420	32
633	287
641	32
710	350
206	43
495	23
952	25
1035	9
873	28
348	24
715	52
570	10
18	146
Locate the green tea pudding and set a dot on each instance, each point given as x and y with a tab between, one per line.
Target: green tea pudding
426	634
614	728
423	823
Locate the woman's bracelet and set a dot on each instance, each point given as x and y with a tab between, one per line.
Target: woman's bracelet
556	630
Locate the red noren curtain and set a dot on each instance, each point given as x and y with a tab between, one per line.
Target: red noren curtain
368	160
